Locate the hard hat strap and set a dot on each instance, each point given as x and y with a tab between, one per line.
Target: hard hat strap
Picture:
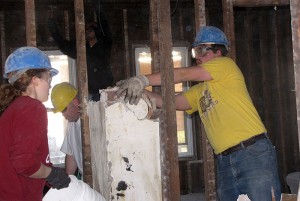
13	76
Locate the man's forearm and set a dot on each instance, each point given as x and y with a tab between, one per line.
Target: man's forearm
70	165
180	75
184	74
155	96
154	79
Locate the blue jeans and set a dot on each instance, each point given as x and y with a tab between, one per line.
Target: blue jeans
251	170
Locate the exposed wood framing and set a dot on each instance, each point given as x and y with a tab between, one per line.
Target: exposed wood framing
209	168
126	48
2	40
295	16
30	23
200	16
155	62
207	151
67	25
228	17
83	89
253	3
264	62
181	26
228	23
161	40
154	37
278	85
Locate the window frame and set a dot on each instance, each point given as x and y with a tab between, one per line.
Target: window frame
188	122
56	136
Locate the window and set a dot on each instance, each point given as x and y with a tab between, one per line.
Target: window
56	122
184	121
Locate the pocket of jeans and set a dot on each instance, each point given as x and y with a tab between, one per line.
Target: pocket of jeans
259	148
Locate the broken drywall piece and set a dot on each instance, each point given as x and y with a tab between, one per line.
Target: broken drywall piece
142	110
100	170
125	152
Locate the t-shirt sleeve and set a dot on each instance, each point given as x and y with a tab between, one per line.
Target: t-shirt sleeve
218	68
192	98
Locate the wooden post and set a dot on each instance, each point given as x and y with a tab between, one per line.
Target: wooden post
30	23
207	151
161	51
228	23
126	48
200	17
295	17
67	25
83	90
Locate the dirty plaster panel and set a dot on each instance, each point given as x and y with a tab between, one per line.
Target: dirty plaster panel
125	154
101	177
133	153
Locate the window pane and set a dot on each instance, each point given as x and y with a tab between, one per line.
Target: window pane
56	122
144	59
180	127
184	131
177	62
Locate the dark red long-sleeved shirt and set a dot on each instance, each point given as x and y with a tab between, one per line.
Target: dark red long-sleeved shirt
23	147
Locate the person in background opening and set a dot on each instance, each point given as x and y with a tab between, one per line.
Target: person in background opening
65	100
246	158
24	152
98	51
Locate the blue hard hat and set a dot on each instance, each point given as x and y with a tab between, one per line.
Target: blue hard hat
210	35
25	58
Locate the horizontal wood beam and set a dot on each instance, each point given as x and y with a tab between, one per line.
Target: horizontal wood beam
255	3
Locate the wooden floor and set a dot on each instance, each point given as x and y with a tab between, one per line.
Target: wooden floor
193	197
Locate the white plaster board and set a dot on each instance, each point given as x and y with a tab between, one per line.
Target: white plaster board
100	170
116	135
137	141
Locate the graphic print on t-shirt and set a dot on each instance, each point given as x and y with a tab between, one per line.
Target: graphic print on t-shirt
206	101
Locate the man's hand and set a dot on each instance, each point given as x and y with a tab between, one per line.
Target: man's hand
132	88
58	178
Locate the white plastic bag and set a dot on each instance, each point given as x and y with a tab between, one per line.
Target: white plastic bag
77	191
243	198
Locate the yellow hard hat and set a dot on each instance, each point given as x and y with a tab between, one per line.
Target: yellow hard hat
62	94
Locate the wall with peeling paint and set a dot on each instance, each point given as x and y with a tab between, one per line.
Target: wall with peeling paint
125	152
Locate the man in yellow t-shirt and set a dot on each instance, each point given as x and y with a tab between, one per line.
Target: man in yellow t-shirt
246	158
222	102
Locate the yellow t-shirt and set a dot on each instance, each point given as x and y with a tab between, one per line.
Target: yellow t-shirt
224	105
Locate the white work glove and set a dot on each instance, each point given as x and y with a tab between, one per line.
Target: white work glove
132	88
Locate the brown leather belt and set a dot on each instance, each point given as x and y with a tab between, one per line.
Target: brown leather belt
243	144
